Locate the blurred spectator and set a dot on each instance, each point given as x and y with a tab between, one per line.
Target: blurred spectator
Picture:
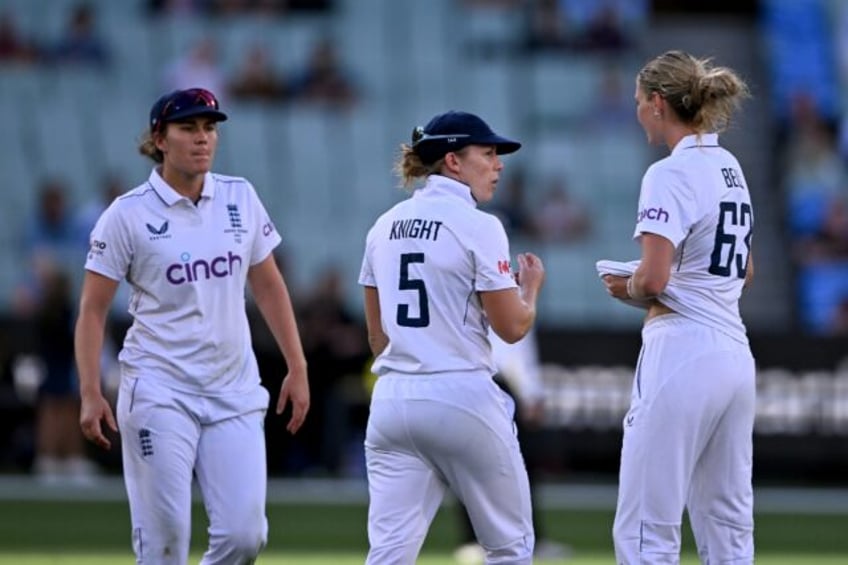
561	219
59	445
14	48
199	68
830	241
800	54
813	170
613	107
324	81
839	322
176	7
605	32
510	205
267	7
631	13
81	44
257	80
336	346
307	5
51	244
111	186
547	27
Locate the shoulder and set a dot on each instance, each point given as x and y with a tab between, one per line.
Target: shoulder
128	202
669	173
486	222
232	183
230	179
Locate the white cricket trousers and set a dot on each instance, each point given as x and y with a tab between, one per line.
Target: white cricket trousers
687	444
427	433
166	437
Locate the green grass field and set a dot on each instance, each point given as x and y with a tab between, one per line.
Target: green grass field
97	533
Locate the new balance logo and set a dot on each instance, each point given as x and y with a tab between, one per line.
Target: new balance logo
146	442
503	267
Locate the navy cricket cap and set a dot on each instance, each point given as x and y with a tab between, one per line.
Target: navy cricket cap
181	104
454	130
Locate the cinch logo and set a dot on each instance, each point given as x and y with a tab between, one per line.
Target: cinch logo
201	269
652	214
503	267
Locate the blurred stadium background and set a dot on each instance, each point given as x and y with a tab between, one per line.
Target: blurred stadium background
320	94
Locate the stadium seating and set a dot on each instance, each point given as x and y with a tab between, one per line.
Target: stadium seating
326	168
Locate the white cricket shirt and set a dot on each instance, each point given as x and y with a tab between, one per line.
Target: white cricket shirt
428	257
187	269
698	199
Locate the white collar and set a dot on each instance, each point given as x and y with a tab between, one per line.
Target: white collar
439	184
695	140
170	196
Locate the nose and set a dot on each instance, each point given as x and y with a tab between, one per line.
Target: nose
498	163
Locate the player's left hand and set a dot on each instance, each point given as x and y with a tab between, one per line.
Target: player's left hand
616	286
295	387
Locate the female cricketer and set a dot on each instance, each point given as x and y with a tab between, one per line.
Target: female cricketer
436	272
190	402
688	433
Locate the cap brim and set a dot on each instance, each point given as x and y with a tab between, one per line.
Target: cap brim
217	115
507	147
503	146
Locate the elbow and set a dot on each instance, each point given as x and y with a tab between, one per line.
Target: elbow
651	286
514	333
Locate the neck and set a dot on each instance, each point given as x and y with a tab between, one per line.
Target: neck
676	133
188	185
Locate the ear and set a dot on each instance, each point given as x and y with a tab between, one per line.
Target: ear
159	140
452	162
657	102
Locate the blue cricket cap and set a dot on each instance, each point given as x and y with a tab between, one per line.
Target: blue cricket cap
454	130
182	104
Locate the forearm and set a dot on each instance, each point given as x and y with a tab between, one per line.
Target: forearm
275	305
88	346
377	343
527	315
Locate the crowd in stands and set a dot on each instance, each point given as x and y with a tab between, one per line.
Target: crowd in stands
810	72
805	41
79	43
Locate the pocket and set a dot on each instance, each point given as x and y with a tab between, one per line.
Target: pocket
126	399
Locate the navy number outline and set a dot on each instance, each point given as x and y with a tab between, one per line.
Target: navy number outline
406	283
739	214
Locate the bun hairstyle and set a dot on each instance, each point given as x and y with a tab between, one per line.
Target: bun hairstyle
702	95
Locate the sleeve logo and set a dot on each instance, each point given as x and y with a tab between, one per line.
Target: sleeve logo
503	267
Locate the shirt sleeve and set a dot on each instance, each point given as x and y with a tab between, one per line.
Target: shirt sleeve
366	272
267	237
490	250
665	205
110	245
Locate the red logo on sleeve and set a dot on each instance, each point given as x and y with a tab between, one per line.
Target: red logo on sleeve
503	267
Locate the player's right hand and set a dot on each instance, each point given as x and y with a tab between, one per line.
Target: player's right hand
295	387
531	271
93	410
